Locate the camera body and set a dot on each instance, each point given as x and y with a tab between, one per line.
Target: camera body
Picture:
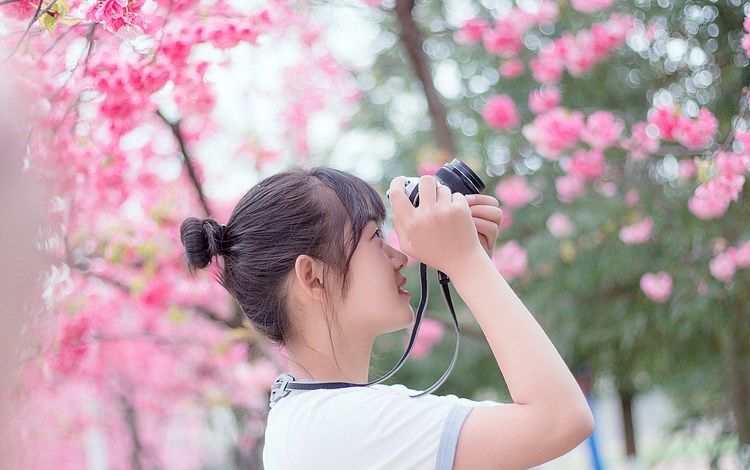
456	175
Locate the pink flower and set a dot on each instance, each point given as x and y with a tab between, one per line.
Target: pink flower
641	143
554	131
560	226
23	9
744	139
586	164
570	188
741	256
707	207
514	191
732	163
657	287
500	112
511	68
632	198
711	199
695	134
472	31
665	120
429	334
548	67
503	40
547	11
588	6
511	260
544	99
722	267
602	130
637	233
686	169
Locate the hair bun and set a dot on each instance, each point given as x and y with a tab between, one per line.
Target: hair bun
202	239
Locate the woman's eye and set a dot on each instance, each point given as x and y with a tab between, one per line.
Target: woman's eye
378	233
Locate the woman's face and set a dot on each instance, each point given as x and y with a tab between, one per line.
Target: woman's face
374	303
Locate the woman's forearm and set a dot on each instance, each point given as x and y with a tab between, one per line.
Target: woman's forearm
533	369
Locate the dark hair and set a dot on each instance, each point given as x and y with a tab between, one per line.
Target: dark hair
295	212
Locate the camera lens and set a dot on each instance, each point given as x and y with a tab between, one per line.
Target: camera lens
456	175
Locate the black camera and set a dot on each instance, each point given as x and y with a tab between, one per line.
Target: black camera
456	175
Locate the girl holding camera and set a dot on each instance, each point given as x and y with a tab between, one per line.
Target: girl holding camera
304	256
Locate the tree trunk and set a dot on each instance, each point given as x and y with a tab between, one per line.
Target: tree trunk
411	38
626	403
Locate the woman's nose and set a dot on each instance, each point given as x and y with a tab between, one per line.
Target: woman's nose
398	257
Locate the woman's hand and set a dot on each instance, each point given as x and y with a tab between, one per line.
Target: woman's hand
487	216
441	232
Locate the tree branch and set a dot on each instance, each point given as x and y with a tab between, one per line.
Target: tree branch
39	12
411	37
187	160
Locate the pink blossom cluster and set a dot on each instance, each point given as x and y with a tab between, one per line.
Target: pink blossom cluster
21	10
544	99
500	113
505	37
580	52
641	142
560	225
712	198
590	6
511	260
117	15
638	233
746	35
657	286
692	133
515	192
726	263
430	333
554	131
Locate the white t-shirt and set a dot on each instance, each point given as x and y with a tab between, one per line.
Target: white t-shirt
365	428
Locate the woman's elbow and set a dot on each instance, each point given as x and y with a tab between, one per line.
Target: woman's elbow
583	424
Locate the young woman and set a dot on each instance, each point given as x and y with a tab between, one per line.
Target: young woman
304	256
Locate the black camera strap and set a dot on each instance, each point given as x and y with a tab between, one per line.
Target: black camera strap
285	383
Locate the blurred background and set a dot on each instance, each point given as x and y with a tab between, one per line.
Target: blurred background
614	134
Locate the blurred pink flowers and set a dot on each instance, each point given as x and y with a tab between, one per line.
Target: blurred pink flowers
511	260
602	130
514	192
560	226
430	333
544	99
500	112
637	233
657	287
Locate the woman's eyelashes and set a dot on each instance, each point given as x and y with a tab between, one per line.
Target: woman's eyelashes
377	233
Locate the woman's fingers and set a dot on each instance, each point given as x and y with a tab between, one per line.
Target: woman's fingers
482	199
490	213
487	232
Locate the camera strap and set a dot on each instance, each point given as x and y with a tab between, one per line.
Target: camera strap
285	383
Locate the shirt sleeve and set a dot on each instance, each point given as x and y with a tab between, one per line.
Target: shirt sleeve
377	429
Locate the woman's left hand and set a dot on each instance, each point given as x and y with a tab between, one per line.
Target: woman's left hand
487	216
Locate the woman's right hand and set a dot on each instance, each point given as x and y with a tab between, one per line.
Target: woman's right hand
440	232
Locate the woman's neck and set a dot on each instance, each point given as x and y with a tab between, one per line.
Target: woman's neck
351	362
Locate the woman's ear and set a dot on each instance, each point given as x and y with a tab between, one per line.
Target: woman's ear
308	272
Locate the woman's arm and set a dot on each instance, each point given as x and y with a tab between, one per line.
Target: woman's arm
550	415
